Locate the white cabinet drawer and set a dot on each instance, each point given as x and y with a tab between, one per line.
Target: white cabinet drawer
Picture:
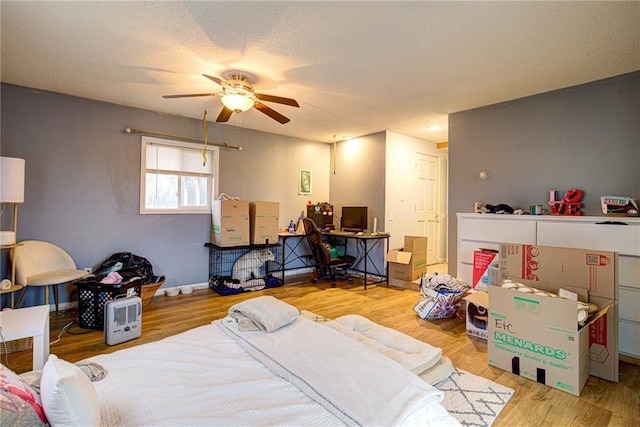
497	230
629	302
467	248
629	271
629	334
465	273
624	239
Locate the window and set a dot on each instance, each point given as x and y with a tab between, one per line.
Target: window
174	179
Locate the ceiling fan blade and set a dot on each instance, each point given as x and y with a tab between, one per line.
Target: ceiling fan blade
189	95
271	113
224	115
217	80
278	99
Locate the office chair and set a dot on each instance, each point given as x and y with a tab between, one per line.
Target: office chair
327	267
44	264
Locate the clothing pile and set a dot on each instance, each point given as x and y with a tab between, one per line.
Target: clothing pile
333	252
123	266
440	296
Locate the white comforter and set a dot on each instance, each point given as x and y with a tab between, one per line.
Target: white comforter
411	353
203	377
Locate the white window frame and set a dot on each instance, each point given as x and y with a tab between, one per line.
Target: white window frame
212	181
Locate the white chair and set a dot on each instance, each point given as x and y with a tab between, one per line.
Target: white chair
41	263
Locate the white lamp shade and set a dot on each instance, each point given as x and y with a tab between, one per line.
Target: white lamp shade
11	180
237	103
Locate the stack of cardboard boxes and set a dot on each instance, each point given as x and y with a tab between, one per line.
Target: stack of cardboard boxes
410	261
240	223
230	222
264	222
538	336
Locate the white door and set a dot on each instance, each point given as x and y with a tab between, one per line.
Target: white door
426	197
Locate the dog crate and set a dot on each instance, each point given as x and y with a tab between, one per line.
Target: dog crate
227	276
223	259
93	295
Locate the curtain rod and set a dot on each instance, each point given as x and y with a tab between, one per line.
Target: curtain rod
179	138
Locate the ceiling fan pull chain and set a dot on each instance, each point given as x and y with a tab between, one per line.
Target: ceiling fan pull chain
334	154
205	131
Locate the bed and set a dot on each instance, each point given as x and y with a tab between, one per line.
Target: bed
263	365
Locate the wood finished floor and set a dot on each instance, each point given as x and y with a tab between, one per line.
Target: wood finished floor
602	403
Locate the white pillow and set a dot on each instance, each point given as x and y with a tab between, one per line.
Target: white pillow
67	395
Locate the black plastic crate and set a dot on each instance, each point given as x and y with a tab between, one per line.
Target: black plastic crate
93	295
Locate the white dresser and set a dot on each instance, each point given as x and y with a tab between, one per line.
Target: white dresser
477	231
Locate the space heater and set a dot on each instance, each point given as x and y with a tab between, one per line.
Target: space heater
122	320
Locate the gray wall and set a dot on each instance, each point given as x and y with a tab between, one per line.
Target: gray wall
83	173
359	176
359	180
585	137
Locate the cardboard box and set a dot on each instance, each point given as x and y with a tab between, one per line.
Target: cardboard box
538	337
264	222
597	270
230	223
485	269
415	244
594	271
477	317
405	265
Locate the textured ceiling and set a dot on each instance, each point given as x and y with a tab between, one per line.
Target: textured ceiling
354	67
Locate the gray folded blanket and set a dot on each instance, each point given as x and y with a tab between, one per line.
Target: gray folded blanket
264	313
94	371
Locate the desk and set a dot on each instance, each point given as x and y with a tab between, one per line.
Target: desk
366	244
291	243
25	323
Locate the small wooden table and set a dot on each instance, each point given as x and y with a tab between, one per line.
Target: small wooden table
28	322
14	287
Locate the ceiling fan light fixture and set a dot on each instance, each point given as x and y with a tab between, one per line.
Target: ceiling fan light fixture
237	103
238	96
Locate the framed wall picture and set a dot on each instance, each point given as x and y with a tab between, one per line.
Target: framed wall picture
304	183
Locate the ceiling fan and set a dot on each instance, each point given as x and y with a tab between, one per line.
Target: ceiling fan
239	96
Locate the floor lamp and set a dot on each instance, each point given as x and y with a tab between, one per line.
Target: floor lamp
11	191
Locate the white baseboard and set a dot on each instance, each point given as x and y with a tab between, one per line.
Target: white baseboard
302	270
196	286
74	304
205	285
63	305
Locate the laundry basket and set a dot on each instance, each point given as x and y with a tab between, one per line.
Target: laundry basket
93	295
150	289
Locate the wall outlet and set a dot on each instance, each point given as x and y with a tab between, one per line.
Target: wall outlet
88	269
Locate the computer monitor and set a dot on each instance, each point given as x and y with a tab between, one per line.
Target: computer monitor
354	218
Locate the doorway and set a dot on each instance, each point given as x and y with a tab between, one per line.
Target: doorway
427	197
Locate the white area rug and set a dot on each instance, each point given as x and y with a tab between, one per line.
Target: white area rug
473	400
